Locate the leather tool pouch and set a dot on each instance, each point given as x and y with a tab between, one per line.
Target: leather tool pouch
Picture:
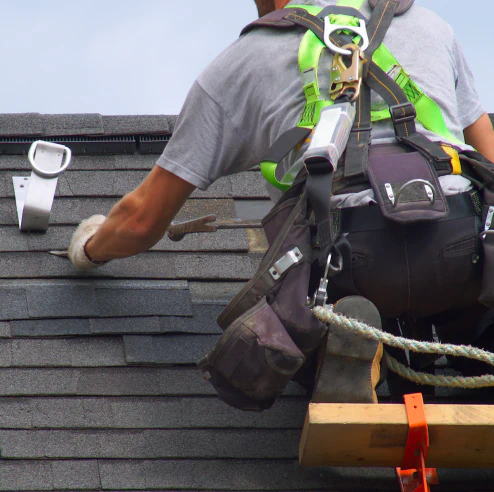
269	329
406	187
255	357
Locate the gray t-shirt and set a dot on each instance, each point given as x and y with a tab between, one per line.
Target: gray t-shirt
252	93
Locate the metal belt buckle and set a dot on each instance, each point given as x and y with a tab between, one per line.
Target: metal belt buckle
347	79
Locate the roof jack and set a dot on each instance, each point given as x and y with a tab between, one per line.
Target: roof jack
34	195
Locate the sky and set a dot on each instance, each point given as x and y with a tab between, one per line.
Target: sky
141	57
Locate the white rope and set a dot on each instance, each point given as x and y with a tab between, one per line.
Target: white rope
370	332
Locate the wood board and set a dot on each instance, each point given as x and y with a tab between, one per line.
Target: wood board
375	435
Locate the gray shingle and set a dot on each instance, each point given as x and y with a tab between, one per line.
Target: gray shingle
232	475
59	236
15	413
5	330
148	444
107	326
50	327
84	163
86	124
143	124
25	475
73	352
28	124
214	292
252	209
112	381
72	210
152	265
167	349
75	475
75	298
114	182
144	412
13	303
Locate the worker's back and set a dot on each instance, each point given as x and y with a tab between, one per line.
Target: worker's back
252	92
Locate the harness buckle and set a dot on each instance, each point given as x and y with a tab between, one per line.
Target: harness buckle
347	79
401	113
360	30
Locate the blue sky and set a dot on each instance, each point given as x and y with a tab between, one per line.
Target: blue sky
128	57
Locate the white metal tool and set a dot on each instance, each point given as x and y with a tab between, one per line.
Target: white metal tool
34	195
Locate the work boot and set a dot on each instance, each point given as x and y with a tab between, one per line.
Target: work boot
349	368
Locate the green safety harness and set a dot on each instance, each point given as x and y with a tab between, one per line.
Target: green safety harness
381	72
361	63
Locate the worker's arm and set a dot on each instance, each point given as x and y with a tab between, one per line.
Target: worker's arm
480	135
140	219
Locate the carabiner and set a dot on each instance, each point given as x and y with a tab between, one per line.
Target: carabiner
360	30
347	79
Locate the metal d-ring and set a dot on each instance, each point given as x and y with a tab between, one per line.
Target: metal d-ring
360	30
431	191
52	146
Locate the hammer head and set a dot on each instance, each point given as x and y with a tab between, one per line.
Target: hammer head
178	230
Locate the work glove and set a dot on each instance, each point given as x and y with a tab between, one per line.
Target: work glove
86	230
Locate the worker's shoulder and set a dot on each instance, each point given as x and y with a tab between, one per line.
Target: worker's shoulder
419	16
263	55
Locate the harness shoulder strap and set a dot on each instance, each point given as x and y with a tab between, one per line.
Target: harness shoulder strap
403	6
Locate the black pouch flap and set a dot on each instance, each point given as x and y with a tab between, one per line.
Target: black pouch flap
407	188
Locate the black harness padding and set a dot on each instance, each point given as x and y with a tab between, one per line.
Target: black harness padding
441	159
378	25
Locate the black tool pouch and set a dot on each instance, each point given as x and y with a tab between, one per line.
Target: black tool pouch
406	187
269	329
256	357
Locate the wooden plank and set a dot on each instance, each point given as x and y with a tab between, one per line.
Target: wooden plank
375	435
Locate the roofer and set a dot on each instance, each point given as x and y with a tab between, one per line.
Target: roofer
252	93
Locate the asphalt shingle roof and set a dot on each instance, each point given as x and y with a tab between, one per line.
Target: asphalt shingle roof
98	384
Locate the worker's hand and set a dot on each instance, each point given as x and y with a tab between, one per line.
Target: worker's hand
86	230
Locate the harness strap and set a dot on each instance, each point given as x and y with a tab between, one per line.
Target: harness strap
357	152
279	150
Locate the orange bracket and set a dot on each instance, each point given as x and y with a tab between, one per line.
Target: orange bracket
413	475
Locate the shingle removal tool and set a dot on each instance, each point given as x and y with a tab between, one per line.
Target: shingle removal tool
178	230
34	195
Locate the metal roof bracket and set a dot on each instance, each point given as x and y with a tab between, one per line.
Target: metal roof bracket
34	195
